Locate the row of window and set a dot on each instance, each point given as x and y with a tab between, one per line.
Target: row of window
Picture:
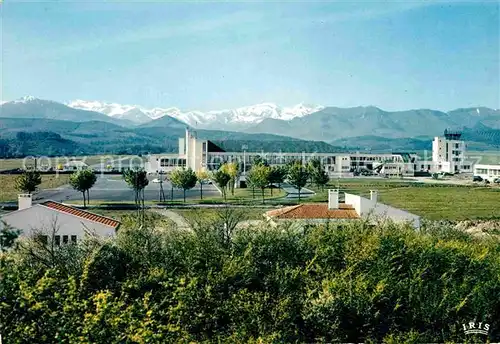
57	239
165	162
486	171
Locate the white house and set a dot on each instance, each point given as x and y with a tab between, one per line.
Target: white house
354	207
66	223
487	172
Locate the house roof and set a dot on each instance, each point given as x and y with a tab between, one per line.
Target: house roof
81	213
314	211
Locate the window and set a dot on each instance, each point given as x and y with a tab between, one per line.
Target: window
57	240
44	239
73	239
65	239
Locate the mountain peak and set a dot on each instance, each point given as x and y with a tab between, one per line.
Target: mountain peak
27	99
242	116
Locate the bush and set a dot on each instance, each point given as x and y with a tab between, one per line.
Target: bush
337	282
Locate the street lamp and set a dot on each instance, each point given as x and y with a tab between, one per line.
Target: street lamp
244	148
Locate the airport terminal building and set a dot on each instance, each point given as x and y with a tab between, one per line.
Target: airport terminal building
448	155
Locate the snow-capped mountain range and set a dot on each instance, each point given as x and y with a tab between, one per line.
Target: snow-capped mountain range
220	119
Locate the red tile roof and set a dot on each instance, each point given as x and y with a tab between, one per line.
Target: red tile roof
314	211
81	213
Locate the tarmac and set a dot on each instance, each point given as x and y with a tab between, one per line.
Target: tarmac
114	189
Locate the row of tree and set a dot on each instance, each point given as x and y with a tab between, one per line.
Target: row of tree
295	173
260	176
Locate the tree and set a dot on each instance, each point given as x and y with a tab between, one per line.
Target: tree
82	181
317	173
221	178
137	180
320	178
259	177
8	236
277	175
258	160
312	167
202	177
233	170
28	181
183	179
297	176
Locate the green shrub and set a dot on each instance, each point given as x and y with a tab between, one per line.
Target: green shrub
337	282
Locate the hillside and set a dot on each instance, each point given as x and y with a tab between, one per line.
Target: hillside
30	107
334	123
41	143
19	138
381	144
360	128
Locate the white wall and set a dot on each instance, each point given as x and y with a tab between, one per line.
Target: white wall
488	172
365	207
41	218
442	156
153	164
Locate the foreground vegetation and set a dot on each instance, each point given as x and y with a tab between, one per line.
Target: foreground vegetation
346	282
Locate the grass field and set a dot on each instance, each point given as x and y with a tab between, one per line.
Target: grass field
9	193
486	158
250	213
123	216
244	196
434	202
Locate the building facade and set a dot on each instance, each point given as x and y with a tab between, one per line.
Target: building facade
448	154
200	154
487	172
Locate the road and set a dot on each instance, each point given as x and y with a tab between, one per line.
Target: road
293	192
114	189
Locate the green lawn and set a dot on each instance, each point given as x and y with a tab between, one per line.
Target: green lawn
10	164
435	202
243	196
451	203
486	158
122	215
9	193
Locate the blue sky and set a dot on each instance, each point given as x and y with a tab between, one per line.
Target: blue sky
215	55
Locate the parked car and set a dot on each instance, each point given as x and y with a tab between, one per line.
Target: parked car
477	179
496	181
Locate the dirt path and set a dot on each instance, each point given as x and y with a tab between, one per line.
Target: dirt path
179	220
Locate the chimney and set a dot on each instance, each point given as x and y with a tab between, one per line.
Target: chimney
374	195
24	201
333	199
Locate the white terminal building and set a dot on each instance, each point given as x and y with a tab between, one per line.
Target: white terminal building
448	155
